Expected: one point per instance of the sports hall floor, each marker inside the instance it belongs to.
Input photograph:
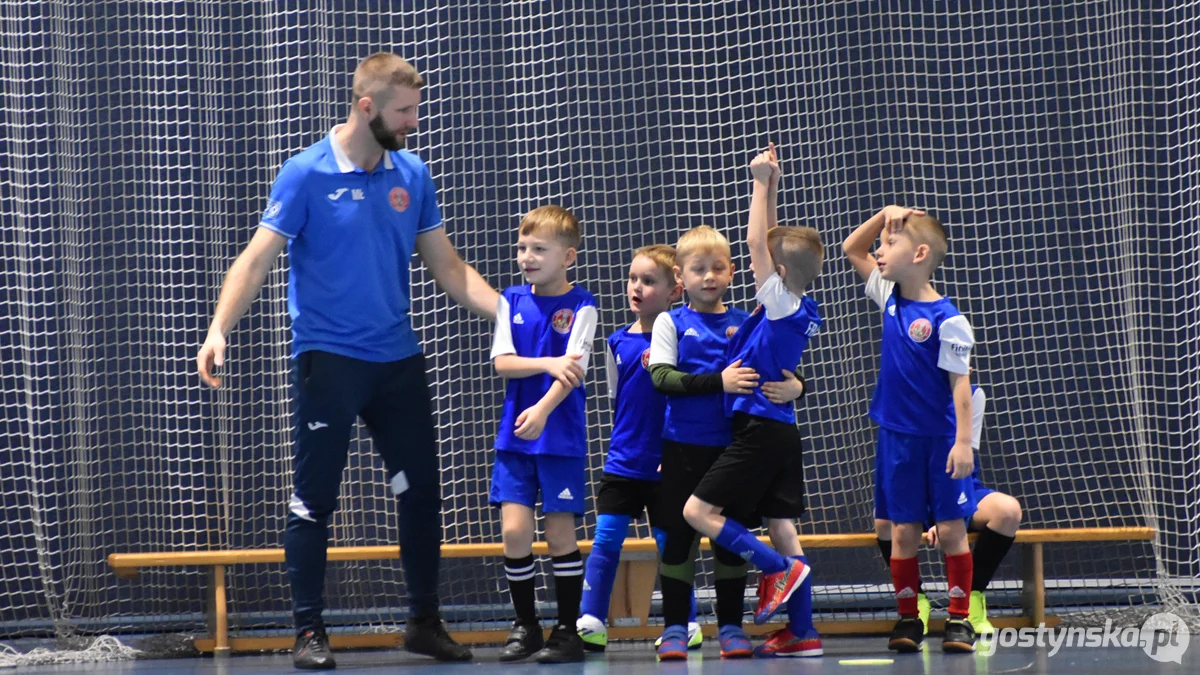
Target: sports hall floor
(857, 655)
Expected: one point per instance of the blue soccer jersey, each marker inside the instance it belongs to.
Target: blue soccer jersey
(771, 341)
(635, 447)
(351, 236)
(536, 326)
(922, 343)
(695, 343)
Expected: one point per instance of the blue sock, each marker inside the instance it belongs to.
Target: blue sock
(733, 537)
(660, 537)
(602, 563)
(799, 606)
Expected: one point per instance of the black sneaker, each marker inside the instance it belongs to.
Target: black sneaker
(907, 635)
(524, 640)
(959, 637)
(427, 635)
(563, 646)
(312, 650)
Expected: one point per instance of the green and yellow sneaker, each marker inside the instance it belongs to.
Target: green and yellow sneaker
(695, 636)
(593, 633)
(923, 610)
(977, 615)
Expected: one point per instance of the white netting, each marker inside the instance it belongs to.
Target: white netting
(1057, 142)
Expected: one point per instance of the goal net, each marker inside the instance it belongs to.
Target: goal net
(140, 139)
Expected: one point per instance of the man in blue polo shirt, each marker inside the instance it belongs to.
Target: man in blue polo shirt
(351, 210)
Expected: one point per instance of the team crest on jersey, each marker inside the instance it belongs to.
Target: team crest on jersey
(562, 320)
(730, 331)
(398, 198)
(646, 359)
(920, 330)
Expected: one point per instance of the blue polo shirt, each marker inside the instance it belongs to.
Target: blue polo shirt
(351, 236)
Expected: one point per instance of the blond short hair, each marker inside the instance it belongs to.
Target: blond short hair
(798, 249)
(378, 73)
(701, 239)
(925, 229)
(555, 222)
(663, 257)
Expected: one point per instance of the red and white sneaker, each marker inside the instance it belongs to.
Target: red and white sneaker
(778, 588)
(783, 643)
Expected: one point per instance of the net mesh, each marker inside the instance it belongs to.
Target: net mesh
(1057, 142)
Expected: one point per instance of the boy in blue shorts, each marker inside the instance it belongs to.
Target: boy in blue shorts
(922, 404)
(785, 262)
(544, 333)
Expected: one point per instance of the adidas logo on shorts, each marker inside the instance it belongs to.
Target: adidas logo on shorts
(566, 494)
(962, 498)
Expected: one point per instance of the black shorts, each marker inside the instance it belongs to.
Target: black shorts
(761, 472)
(683, 467)
(622, 496)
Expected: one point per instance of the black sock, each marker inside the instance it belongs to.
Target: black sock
(520, 573)
(885, 547)
(568, 586)
(990, 549)
(677, 601)
(731, 600)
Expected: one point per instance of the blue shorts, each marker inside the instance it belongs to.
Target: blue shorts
(911, 483)
(517, 477)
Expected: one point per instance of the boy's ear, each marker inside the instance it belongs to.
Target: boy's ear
(678, 274)
(676, 292)
(570, 257)
(921, 253)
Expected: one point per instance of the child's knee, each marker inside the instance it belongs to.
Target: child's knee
(693, 510)
(883, 529)
(560, 533)
(611, 531)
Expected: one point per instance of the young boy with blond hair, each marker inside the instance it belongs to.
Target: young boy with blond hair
(544, 332)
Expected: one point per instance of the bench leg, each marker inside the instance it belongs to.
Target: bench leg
(218, 618)
(1033, 590)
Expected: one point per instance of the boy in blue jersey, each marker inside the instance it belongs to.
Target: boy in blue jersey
(922, 404)
(997, 518)
(630, 483)
(687, 363)
(544, 333)
(785, 261)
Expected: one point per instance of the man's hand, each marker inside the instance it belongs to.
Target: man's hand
(739, 380)
(530, 423)
(961, 461)
(765, 167)
(894, 217)
(786, 391)
(212, 353)
(566, 370)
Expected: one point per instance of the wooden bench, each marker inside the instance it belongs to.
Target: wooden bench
(631, 592)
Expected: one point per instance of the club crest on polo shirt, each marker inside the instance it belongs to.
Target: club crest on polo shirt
(730, 331)
(646, 360)
(562, 320)
(399, 199)
(920, 330)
